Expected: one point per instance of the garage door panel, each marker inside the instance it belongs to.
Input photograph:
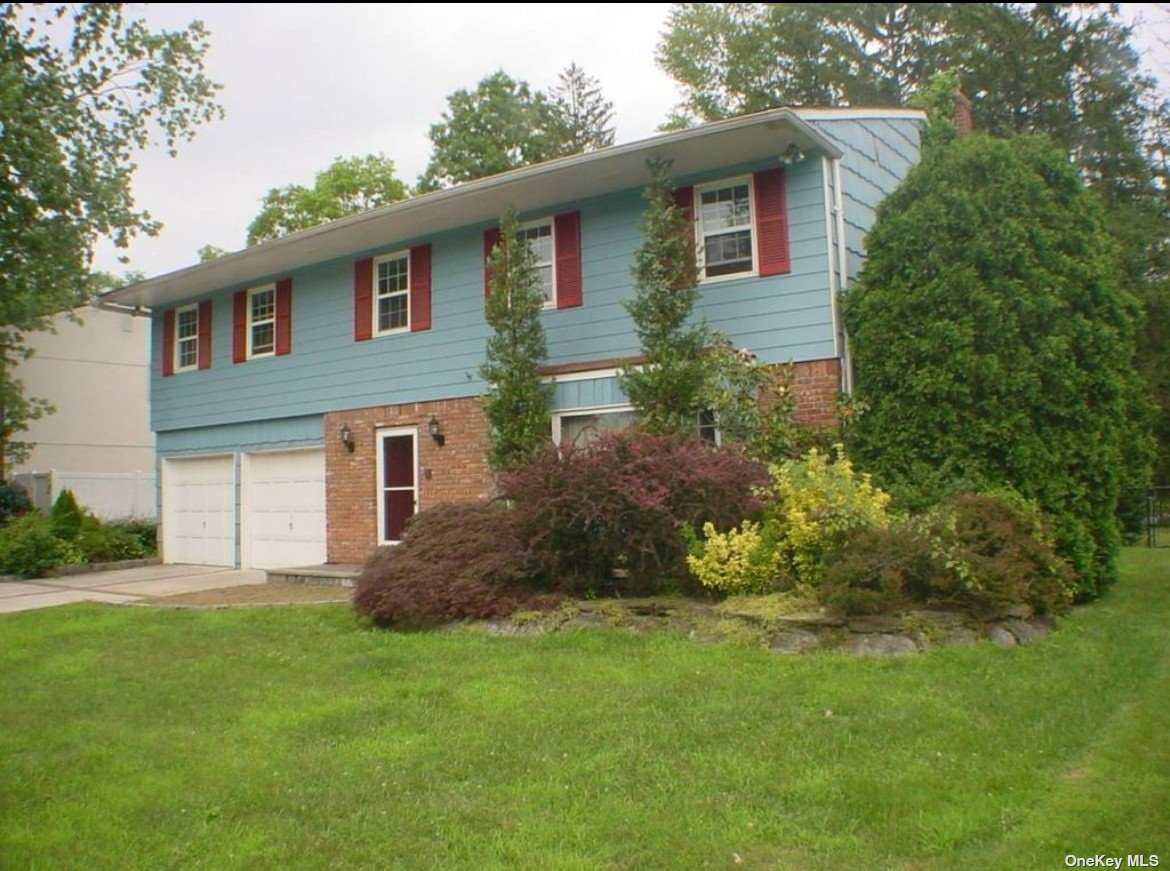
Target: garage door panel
(285, 509)
(199, 511)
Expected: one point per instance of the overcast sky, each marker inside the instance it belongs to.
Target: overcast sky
(306, 83)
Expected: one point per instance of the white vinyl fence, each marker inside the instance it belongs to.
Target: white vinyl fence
(109, 495)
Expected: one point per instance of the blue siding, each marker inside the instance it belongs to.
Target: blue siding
(878, 154)
(781, 318)
(259, 435)
(588, 393)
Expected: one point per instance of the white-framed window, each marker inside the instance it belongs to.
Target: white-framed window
(261, 321)
(580, 426)
(542, 242)
(392, 293)
(186, 338)
(724, 211)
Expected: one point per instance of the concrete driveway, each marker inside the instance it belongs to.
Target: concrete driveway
(121, 586)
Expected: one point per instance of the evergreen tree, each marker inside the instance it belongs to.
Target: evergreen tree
(586, 117)
(517, 403)
(993, 341)
(671, 386)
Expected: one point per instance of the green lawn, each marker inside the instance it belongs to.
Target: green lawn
(299, 738)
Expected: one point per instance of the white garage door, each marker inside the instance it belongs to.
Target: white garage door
(284, 509)
(199, 511)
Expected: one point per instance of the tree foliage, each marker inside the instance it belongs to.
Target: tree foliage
(1069, 71)
(669, 389)
(517, 403)
(348, 186)
(586, 117)
(83, 87)
(504, 123)
(993, 342)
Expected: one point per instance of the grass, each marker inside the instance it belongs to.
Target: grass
(300, 738)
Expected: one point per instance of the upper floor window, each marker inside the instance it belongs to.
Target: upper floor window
(539, 236)
(262, 321)
(392, 292)
(725, 228)
(187, 338)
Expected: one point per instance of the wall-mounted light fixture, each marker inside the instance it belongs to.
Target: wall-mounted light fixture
(346, 436)
(792, 154)
(436, 431)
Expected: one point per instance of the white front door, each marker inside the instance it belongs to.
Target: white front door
(283, 503)
(199, 511)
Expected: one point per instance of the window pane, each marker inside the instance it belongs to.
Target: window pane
(263, 338)
(581, 429)
(263, 305)
(188, 323)
(725, 208)
(398, 461)
(392, 276)
(545, 274)
(392, 312)
(188, 352)
(728, 253)
(398, 508)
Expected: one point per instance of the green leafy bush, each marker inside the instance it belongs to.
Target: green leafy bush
(454, 562)
(107, 542)
(621, 503)
(66, 516)
(29, 548)
(993, 344)
(145, 531)
(981, 553)
(14, 502)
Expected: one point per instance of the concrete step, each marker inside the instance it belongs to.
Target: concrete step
(330, 574)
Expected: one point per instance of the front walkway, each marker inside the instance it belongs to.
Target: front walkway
(121, 586)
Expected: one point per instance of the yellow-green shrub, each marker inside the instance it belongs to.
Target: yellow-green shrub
(739, 561)
(814, 505)
(811, 507)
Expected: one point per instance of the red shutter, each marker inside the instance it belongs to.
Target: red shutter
(205, 334)
(567, 242)
(168, 351)
(283, 316)
(363, 299)
(240, 326)
(684, 201)
(490, 237)
(771, 222)
(420, 287)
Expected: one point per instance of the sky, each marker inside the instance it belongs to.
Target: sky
(307, 83)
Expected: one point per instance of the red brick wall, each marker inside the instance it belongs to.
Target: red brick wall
(458, 471)
(816, 384)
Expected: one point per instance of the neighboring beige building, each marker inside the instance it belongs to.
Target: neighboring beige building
(94, 371)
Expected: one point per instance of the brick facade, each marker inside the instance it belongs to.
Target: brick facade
(816, 384)
(456, 472)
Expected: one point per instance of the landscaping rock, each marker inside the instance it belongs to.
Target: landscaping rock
(1026, 631)
(794, 641)
(586, 618)
(883, 623)
(880, 645)
(1018, 612)
(1001, 636)
(816, 618)
(958, 635)
(941, 619)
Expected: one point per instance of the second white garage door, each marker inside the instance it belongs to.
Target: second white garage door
(284, 509)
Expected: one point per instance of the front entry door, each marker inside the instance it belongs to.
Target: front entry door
(398, 496)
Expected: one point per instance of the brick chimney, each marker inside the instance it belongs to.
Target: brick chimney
(962, 119)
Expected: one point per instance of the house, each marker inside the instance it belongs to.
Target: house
(309, 394)
(92, 367)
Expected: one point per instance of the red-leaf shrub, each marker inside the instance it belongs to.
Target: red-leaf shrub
(620, 502)
(454, 562)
